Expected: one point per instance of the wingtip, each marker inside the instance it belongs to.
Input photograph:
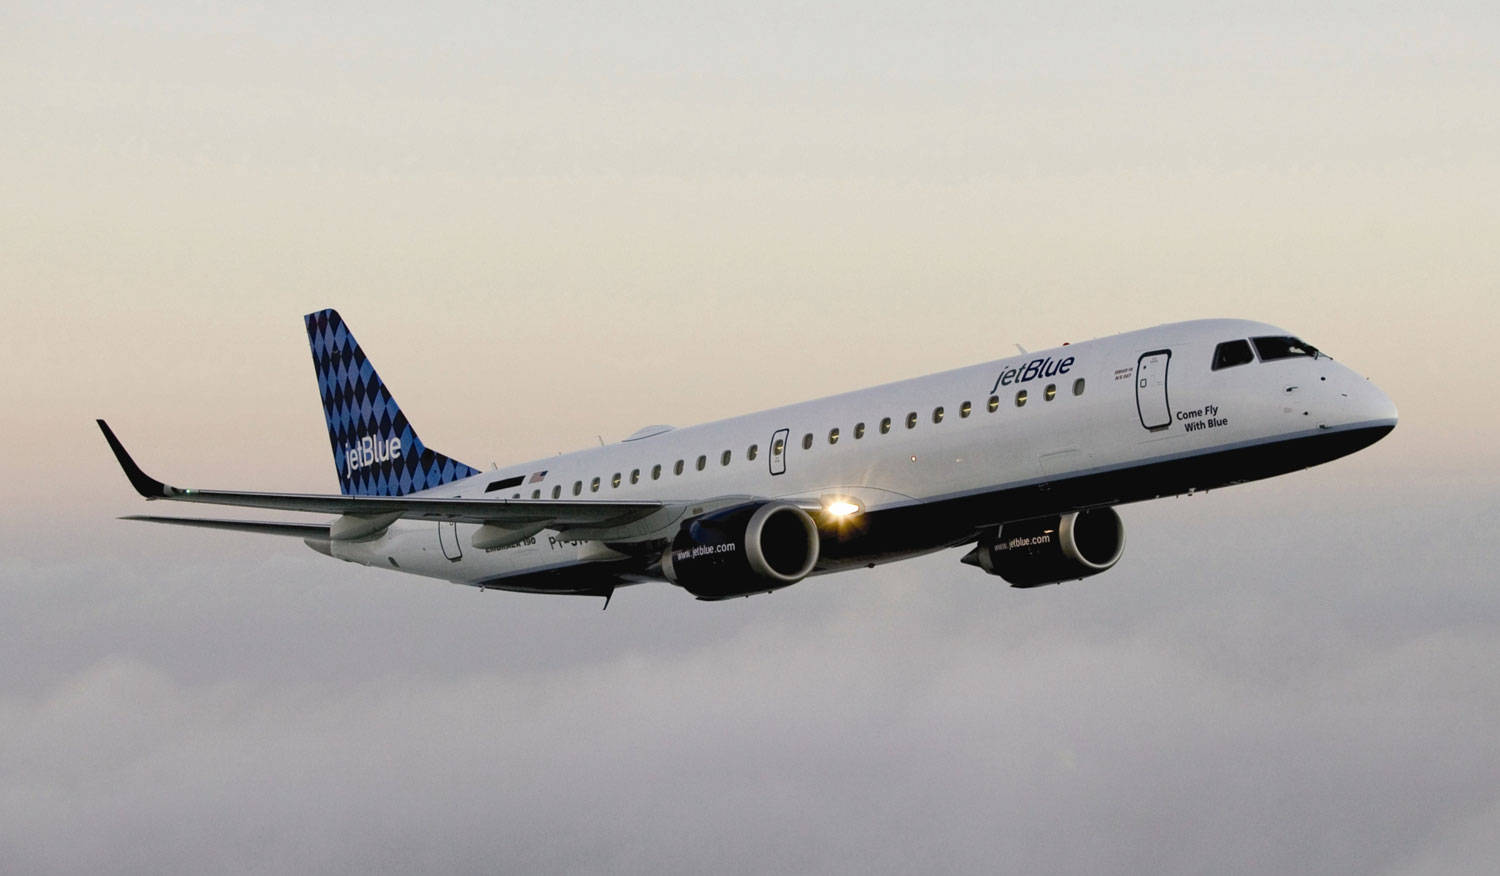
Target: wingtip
(144, 484)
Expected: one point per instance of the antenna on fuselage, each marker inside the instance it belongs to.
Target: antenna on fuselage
(1024, 351)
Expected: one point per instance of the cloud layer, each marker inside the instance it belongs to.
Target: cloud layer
(1210, 704)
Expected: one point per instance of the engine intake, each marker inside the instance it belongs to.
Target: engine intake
(1047, 550)
(754, 548)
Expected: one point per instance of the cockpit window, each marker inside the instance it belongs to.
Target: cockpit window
(1283, 348)
(1232, 353)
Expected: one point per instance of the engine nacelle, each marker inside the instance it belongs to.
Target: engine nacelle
(1047, 550)
(754, 548)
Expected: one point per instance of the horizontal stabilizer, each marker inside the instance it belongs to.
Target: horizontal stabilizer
(296, 530)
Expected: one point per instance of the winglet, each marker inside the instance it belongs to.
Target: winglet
(144, 484)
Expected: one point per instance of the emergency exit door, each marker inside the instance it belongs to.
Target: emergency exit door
(1151, 389)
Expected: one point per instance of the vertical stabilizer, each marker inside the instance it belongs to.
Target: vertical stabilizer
(375, 450)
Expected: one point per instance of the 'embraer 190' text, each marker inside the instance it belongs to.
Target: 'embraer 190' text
(1045, 367)
(370, 451)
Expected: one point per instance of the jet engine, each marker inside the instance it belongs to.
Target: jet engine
(754, 548)
(1047, 550)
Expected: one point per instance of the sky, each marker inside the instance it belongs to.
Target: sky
(552, 224)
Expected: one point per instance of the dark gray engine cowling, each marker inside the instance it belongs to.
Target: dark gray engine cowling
(754, 548)
(1046, 550)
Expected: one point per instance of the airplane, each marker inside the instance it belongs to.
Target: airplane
(1023, 459)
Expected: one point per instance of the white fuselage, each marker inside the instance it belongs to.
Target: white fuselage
(943, 457)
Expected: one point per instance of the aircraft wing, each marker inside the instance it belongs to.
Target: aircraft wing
(554, 514)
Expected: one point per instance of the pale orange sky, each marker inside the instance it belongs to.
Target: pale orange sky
(547, 238)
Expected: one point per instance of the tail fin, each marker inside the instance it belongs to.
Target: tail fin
(375, 450)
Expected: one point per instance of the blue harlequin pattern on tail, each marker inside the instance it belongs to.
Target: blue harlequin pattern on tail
(375, 450)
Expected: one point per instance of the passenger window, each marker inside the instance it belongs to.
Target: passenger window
(577, 487)
(1051, 392)
(594, 486)
(557, 491)
(937, 414)
(911, 420)
(859, 431)
(964, 410)
(724, 458)
(635, 476)
(615, 481)
(885, 425)
(1282, 348)
(677, 467)
(752, 452)
(656, 472)
(1232, 353)
(833, 436)
(994, 403)
(779, 447)
(1078, 386)
(807, 441)
(702, 461)
(1021, 399)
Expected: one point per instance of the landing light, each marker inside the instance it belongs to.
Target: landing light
(841, 507)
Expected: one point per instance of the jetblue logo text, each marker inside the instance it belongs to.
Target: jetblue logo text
(1022, 541)
(703, 550)
(1047, 367)
(370, 451)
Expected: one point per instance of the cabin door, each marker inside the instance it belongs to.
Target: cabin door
(778, 451)
(1151, 389)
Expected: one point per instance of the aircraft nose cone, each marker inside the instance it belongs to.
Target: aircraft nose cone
(1377, 407)
(1367, 411)
(1354, 402)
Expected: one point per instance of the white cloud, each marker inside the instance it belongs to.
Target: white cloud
(915, 717)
